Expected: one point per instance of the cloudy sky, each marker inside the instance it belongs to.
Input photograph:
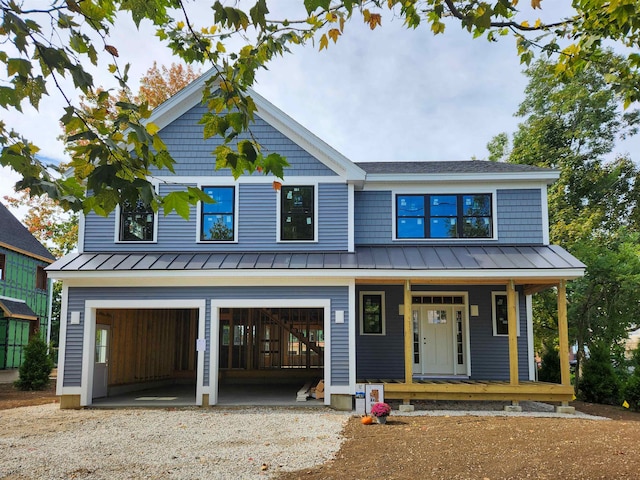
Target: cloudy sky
(382, 95)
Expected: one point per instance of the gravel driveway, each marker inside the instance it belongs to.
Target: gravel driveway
(46, 442)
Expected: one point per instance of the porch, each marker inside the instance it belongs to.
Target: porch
(450, 389)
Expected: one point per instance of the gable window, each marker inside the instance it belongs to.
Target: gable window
(444, 216)
(297, 214)
(500, 314)
(41, 278)
(217, 222)
(137, 222)
(2, 266)
(372, 315)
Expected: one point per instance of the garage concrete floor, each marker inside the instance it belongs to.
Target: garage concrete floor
(228, 396)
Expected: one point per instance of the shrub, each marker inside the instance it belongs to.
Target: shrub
(599, 382)
(37, 366)
(632, 391)
(550, 366)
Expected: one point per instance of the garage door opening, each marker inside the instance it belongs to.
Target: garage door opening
(145, 350)
(279, 347)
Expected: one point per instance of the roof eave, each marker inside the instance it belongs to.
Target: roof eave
(547, 177)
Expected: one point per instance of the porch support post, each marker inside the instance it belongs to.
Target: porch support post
(563, 334)
(408, 334)
(512, 317)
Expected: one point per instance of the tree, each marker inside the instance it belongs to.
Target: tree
(159, 84)
(43, 45)
(37, 366)
(572, 126)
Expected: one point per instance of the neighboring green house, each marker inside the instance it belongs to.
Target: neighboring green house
(24, 289)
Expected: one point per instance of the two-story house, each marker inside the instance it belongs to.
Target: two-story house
(24, 289)
(418, 275)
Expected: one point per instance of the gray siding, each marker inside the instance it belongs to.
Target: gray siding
(257, 224)
(519, 218)
(382, 357)
(184, 139)
(339, 331)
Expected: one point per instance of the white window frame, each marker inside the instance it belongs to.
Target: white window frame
(493, 313)
(383, 315)
(116, 236)
(316, 213)
(236, 211)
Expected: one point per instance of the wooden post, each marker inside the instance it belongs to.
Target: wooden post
(408, 334)
(512, 317)
(563, 334)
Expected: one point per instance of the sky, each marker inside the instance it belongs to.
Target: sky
(383, 95)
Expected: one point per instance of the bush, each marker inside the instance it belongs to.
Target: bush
(632, 391)
(550, 366)
(599, 382)
(37, 366)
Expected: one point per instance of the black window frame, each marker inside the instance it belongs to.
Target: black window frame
(140, 210)
(298, 214)
(463, 218)
(232, 213)
(365, 325)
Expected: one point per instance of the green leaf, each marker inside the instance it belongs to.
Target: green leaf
(313, 5)
(178, 201)
(18, 65)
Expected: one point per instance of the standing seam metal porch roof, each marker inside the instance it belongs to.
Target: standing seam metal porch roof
(405, 257)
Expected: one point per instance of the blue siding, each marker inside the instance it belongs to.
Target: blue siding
(257, 227)
(519, 218)
(373, 218)
(382, 357)
(339, 331)
(193, 155)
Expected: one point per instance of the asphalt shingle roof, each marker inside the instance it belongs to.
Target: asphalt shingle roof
(466, 166)
(16, 235)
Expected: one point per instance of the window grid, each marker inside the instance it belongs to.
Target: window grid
(217, 221)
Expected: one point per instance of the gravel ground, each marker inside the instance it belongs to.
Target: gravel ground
(46, 442)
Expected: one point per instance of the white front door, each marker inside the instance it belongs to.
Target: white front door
(439, 340)
(101, 364)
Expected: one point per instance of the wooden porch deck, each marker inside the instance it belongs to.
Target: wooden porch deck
(463, 389)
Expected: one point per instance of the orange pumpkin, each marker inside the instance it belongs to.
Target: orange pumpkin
(366, 420)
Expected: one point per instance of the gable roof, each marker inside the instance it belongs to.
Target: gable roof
(191, 96)
(16, 237)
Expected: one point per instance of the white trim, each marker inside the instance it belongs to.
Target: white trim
(454, 190)
(352, 339)
(544, 202)
(81, 228)
(254, 179)
(49, 310)
(493, 312)
(383, 313)
(213, 277)
(69, 391)
(546, 177)
(316, 212)
(236, 206)
(532, 360)
(89, 337)
(62, 341)
(217, 304)
(351, 242)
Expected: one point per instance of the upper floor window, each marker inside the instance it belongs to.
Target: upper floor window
(217, 222)
(297, 216)
(2, 266)
(137, 222)
(41, 278)
(444, 216)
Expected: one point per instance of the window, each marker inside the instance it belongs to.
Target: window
(2, 266)
(297, 213)
(444, 216)
(500, 314)
(217, 223)
(137, 222)
(372, 313)
(41, 278)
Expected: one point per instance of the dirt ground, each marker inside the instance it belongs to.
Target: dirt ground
(469, 447)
